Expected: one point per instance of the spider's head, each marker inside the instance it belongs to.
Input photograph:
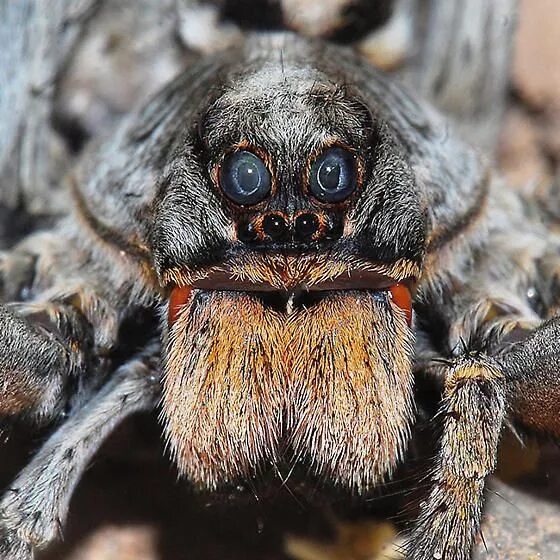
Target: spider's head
(290, 233)
(282, 196)
(289, 182)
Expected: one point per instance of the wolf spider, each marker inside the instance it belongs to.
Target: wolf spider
(308, 238)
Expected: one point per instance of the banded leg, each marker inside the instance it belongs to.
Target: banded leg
(34, 509)
(472, 412)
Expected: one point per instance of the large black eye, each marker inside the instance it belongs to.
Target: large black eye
(333, 175)
(244, 178)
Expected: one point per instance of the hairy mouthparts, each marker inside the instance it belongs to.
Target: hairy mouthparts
(247, 384)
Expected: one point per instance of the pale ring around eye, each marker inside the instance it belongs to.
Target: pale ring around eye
(333, 175)
(244, 178)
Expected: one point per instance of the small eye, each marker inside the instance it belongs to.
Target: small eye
(333, 175)
(244, 178)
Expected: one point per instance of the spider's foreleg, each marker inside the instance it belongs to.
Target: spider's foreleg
(33, 510)
(42, 346)
(532, 369)
(60, 316)
(472, 414)
(44, 341)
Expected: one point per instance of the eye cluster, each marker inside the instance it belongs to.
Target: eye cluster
(332, 177)
(278, 227)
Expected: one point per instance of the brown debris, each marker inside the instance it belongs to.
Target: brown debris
(536, 71)
(129, 542)
(520, 154)
(367, 540)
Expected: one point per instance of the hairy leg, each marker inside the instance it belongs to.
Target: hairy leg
(532, 369)
(41, 348)
(34, 509)
(472, 413)
(523, 381)
(44, 341)
(59, 324)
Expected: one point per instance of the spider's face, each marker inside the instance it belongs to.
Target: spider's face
(289, 181)
(289, 231)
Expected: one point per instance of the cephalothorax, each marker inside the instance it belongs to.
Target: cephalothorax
(280, 207)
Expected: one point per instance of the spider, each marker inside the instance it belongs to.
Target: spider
(273, 249)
